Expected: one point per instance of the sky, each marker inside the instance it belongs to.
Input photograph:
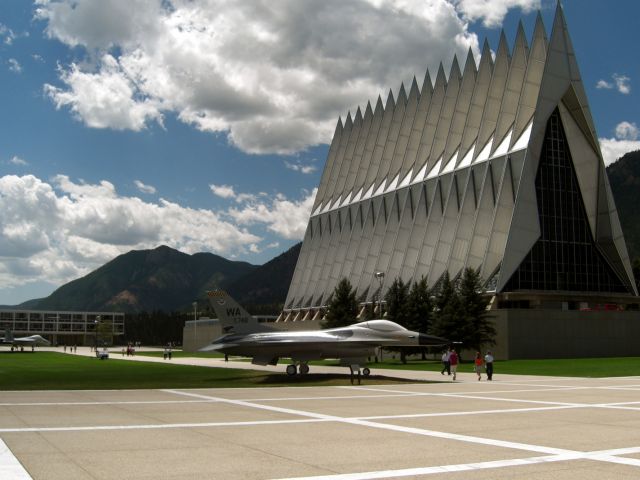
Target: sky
(204, 124)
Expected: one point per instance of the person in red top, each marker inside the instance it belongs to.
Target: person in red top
(478, 365)
(453, 360)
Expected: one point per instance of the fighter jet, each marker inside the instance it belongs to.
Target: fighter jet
(352, 345)
(30, 341)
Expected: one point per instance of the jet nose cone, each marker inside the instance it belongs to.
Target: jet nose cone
(425, 340)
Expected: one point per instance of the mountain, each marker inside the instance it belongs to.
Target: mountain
(168, 280)
(269, 283)
(624, 177)
(158, 279)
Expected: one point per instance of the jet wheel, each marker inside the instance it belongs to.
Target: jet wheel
(304, 369)
(291, 370)
(366, 372)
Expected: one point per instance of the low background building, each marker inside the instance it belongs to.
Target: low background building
(65, 328)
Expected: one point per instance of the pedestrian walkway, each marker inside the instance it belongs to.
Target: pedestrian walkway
(418, 375)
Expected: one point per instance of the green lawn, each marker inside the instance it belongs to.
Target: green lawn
(57, 371)
(174, 354)
(566, 367)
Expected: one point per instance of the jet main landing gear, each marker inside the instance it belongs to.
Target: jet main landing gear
(292, 369)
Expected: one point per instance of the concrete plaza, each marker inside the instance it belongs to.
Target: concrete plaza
(513, 427)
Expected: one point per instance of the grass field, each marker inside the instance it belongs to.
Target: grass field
(176, 354)
(57, 371)
(566, 367)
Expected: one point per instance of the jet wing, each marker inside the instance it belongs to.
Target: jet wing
(31, 340)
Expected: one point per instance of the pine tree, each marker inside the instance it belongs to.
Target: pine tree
(479, 329)
(420, 309)
(397, 299)
(447, 316)
(343, 306)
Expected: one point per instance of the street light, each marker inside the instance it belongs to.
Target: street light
(380, 277)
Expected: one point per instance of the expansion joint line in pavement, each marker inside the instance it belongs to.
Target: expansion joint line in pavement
(552, 454)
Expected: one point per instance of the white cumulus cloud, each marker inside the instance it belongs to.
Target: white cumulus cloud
(492, 12)
(622, 83)
(224, 191)
(299, 167)
(16, 160)
(144, 188)
(627, 131)
(14, 65)
(60, 230)
(625, 141)
(105, 99)
(272, 76)
(284, 217)
(8, 34)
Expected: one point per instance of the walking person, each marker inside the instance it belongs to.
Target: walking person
(453, 362)
(446, 366)
(488, 365)
(478, 365)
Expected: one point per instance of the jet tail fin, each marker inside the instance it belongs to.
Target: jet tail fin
(232, 317)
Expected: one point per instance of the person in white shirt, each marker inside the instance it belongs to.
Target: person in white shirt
(446, 365)
(488, 365)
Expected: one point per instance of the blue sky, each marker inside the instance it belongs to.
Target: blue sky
(203, 125)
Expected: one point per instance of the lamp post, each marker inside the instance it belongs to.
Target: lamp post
(380, 277)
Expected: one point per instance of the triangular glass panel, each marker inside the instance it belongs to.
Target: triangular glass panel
(451, 165)
(346, 200)
(466, 161)
(392, 186)
(369, 192)
(380, 189)
(407, 179)
(420, 176)
(523, 141)
(503, 148)
(484, 154)
(435, 170)
(357, 197)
